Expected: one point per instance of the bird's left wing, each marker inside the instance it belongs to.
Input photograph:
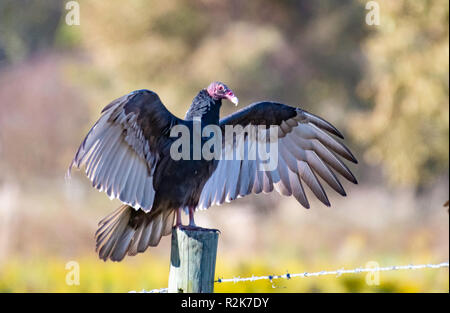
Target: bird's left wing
(121, 150)
(306, 149)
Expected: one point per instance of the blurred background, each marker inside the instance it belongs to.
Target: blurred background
(384, 86)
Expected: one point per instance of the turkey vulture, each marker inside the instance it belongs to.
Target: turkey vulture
(127, 155)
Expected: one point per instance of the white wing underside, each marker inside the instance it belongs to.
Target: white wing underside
(304, 150)
(111, 162)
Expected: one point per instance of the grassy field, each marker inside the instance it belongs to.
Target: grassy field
(38, 275)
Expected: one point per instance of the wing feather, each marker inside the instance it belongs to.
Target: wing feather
(297, 189)
(308, 176)
(111, 184)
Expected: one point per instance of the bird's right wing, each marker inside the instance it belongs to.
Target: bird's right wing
(121, 150)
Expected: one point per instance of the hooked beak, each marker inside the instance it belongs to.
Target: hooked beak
(233, 99)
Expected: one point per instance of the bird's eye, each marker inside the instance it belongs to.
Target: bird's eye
(220, 88)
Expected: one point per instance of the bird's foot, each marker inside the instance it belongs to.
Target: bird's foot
(196, 228)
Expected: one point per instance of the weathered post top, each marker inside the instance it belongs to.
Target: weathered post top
(193, 260)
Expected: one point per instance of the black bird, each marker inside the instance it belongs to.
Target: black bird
(127, 155)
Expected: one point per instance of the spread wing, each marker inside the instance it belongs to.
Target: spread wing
(307, 148)
(120, 152)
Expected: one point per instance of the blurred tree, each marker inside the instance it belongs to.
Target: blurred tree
(39, 120)
(300, 52)
(36, 137)
(27, 26)
(407, 129)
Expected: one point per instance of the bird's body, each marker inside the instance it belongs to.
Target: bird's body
(189, 175)
(128, 155)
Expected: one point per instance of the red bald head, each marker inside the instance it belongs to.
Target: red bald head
(218, 90)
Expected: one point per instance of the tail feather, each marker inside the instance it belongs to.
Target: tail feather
(168, 223)
(107, 249)
(130, 231)
(145, 238)
(105, 234)
(138, 236)
(121, 248)
(107, 224)
(105, 221)
(155, 236)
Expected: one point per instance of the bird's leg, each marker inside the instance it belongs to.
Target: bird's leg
(191, 217)
(178, 222)
(191, 225)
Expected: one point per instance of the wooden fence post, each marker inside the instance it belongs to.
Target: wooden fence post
(193, 260)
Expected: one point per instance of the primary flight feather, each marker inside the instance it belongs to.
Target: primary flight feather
(127, 154)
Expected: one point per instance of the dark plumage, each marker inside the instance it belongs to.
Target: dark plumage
(127, 155)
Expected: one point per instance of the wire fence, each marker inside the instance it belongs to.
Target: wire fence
(336, 273)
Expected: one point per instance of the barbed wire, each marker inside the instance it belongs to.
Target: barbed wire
(337, 273)
(161, 290)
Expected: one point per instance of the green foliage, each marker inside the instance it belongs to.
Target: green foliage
(290, 51)
(26, 26)
(407, 130)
